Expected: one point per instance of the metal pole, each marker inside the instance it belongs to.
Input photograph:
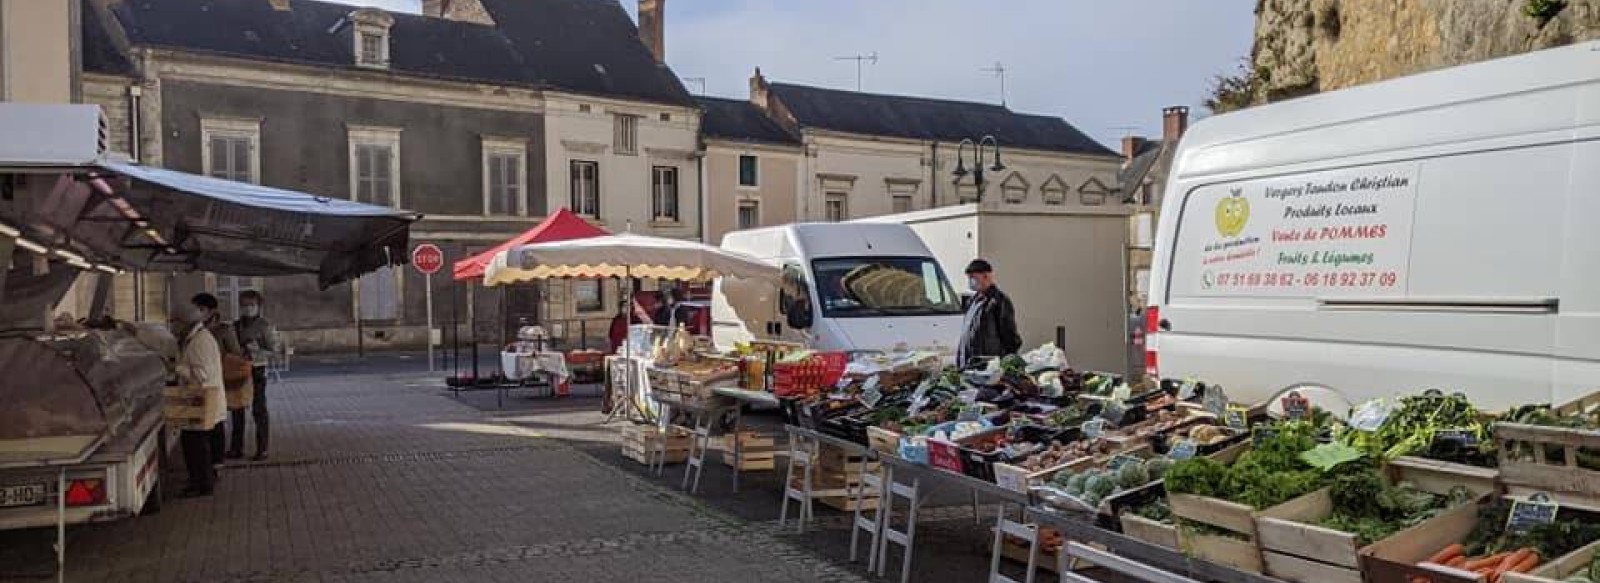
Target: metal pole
(61, 525)
(361, 345)
(429, 296)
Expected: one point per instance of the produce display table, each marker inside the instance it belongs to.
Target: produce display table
(705, 414)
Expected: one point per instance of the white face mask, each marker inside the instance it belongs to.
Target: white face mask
(250, 311)
(972, 283)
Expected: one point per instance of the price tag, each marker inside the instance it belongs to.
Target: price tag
(972, 414)
(871, 396)
(1525, 514)
(1122, 392)
(1118, 461)
(1459, 436)
(1370, 415)
(1187, 390)
(1295, 406)
(844, 382)
(1183, 450)
(872, 383)
(1215, 401)
(1093, 428)
(1238, 417)
(1262, 434)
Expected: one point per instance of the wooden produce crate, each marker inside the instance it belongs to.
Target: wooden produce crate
(758, 451)
(1016, 551)
(1558, 570)
(1150, 531)
(638, 442)
(1242, 552)
(1535, 458)
(1294, 548)
(1395, 559)
(883, 440)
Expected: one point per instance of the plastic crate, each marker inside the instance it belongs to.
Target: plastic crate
(815, 374)
(945, 455)
(914, 452)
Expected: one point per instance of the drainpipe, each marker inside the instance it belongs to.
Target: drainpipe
(700, 210)
(134, 91)
(933, 176)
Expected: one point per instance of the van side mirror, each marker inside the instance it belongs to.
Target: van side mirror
(798, 316)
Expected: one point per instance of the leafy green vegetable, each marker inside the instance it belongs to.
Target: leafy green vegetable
(1410, 427)
(1326, 456)
(1551, 540)
(1269, 474)
(1372, 509)
(1199, 476)
(1156, 509)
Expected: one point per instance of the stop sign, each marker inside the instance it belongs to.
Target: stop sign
(427, 258)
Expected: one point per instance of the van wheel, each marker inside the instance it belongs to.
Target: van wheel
(1320, 396)
(158, 491)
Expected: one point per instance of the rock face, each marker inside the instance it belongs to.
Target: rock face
(1306, 46)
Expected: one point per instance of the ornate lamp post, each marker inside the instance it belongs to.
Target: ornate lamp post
(978, 159)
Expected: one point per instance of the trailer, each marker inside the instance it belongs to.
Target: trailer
(1064, 269)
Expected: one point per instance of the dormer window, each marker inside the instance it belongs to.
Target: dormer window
(371, 37)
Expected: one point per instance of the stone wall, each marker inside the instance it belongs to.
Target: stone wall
(1306, 46)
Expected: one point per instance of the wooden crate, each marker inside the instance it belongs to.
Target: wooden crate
(643, 456)
(1395, 559)
(883, 440)
(750, 442)
(1558, 570)
(1017, 552)
(1241, 553)
(638, 441)
(848, 503)
(1150, 531)
(1565, 481)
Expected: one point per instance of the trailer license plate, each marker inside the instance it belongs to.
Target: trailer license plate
(24, 495)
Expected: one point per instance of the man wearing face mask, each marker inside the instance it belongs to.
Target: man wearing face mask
(990, 326)
(233, 381)
(256, 334)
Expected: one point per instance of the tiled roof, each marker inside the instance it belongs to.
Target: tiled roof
(922, 118)
(738, 119)
(583, 46)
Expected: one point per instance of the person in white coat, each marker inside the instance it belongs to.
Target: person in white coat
(201, 402)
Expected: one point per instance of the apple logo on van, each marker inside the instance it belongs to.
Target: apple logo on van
(1233, 212)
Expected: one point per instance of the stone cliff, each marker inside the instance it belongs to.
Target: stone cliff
(1306, 46)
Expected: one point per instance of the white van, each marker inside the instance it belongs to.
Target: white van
(845, 287)
(1434, 231)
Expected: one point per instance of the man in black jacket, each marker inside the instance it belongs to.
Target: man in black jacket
(990, 326)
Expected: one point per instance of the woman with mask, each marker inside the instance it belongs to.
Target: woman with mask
(198, 369)
(256, 334)
(235, 368)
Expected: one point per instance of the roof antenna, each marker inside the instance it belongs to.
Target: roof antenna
(860, 60)
(999, 70)
(701, 81)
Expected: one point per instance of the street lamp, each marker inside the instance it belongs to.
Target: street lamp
(977, 161)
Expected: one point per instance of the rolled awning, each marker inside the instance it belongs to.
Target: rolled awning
(138, 217)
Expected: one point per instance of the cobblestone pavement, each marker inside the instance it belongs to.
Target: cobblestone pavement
(380, 477)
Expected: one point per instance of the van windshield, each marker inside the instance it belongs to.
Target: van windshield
(883, 286)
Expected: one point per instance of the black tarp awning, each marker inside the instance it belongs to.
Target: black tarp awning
(128, 216)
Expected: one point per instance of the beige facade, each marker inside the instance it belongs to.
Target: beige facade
(771, 200)
(38, 45)
(596, 130)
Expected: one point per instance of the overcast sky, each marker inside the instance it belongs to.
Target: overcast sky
(1106, 67)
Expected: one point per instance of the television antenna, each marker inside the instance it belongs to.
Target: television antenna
(999, 71)
(860, 60)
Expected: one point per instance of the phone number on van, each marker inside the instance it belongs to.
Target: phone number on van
(1324, 279)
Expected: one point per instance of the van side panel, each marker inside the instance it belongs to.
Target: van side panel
(1578, 323)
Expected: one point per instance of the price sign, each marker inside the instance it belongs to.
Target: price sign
(919, 398)
(1183, 450)
(972, 414)
(1238, 417)
(1093, 428)
(1122, 392)
(1118, 461)
(844, 382)
(1295, 405)
(871, 396)
(1525, 514)
(1262, 434)
(1215, 401)
(1371, 415)
(1461, 437)
(1187, 390)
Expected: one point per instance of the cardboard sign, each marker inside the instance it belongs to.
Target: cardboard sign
(1183, 450)
(1215, 401)
(1295, 406)
(1093, 428)
(1238, 417)
(1525, 514)
(1118, 461)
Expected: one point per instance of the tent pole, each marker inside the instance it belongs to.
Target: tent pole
(455, 330)
(472, 334)
(505, 322)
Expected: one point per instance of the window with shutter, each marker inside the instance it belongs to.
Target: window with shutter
(586, 188)
(749, 214)
(504, 174)
(749, 171)
(664, 185)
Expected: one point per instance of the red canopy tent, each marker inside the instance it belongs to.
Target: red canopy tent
(562, 225)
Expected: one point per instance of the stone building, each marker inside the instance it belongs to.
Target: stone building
(484, 115)
(866, 154)
(1141, 183)
(752, 168)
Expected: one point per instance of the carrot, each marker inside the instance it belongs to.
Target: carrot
(1445, 554)
(1481, 562)
(1510, 561)
(1527, 564)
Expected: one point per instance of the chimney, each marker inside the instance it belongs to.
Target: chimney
(758, 90)
(279, 5)
(434, 8)
(652, 14)
(1174, 121)
(458, 10)
(1130, 147)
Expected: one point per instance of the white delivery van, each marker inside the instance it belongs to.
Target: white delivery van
(1435, 231)
(845, 287)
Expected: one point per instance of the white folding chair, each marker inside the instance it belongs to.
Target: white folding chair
(1027, 532)
(871, 489)
(803, 457)
(905, 538)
